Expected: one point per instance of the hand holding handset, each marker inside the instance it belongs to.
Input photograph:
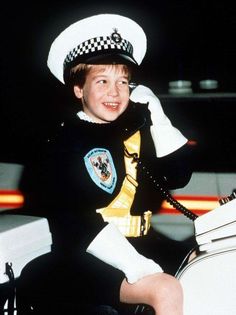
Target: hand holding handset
(165, 136)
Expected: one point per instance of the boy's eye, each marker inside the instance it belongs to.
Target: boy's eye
(102, 81)
(119, 83)
(123, 82)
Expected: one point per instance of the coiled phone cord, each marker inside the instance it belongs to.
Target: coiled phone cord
(165, 193)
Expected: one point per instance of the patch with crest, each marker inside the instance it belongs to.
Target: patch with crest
(101, 169)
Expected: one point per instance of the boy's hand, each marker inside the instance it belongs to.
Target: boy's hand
(165, 136)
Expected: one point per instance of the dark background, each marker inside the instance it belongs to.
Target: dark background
(187, 40)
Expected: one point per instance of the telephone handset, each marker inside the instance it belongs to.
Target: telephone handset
(165, 193)
(132, 85)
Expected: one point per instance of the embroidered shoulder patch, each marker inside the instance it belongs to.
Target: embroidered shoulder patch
(101, 169)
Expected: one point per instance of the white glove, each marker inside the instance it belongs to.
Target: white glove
(111, 246)
(165, 136)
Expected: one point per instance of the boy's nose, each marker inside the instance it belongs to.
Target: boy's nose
(113, 90)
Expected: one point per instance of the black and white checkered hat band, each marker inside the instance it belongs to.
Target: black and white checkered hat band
(99, 44)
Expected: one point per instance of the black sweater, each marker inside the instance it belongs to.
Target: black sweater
(58, 184)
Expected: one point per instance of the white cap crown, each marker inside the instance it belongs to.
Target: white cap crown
(95, 38)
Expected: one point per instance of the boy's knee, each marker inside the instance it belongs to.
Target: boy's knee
(168, 287)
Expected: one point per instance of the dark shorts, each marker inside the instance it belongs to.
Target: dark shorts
(72, 282)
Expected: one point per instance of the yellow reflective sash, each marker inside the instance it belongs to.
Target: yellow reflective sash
(118, 211)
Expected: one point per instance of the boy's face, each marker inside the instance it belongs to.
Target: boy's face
(105, 94)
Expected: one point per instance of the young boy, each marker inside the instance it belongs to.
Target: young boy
(96, 184)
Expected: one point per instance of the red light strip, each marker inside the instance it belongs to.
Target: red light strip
(11, 198)
(197, 204)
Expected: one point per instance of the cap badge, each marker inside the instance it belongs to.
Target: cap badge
(115, 36)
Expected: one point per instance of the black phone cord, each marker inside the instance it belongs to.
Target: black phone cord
(165, 193)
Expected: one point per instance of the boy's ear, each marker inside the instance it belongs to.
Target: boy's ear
(78, 91)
